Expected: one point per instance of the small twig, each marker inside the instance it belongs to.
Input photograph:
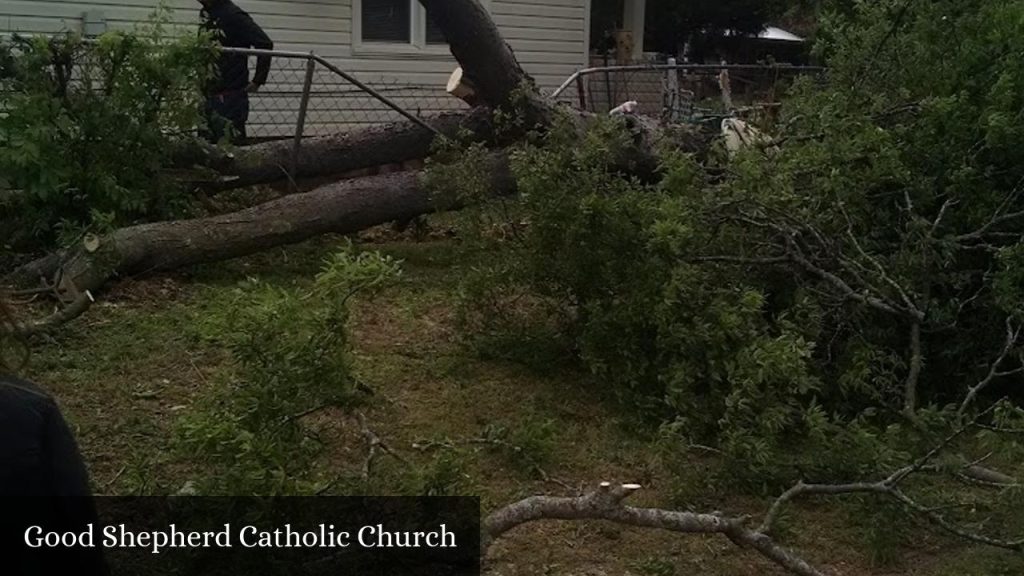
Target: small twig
(942, 214)
(898, 476)
(1000, 430)
(1012, 334)
(202, 377)
(374, 443)
(116, 477)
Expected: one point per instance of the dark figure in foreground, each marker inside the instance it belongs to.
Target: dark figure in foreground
(227, 97)
(43, 480)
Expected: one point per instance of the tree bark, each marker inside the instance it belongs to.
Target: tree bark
(486, 59)
(606, 503)
(343, 207)
(348, 206)
(325, 156)
(475, 41)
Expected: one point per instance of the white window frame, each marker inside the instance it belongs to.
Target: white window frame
(417, 46)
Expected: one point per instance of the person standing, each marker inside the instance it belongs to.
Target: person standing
(227, 97)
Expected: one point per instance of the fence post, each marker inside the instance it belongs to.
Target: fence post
(671, 100)
(300, 124)
(581, 89)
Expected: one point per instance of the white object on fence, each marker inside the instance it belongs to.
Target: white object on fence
(738, 135)
(725, 85)
(625, 108)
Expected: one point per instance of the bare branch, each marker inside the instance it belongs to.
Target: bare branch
(801, 489)
(942, 214)
(374, 443)
(61, 316)
(741, 259)
(1012, 334)
(606, 503)
(879, 269)
(998, 217)
(941, 522)
(916, 361)
(922, 462)
(847, 291)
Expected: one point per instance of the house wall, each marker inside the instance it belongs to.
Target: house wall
(549, 37)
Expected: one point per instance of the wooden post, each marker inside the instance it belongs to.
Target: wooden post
(581, 90)
(633, 21)
(671, 111)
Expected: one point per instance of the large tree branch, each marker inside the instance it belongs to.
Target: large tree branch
(890, 486)
(606, 503)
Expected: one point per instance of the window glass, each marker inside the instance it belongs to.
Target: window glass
(386, 20)
(434, 35)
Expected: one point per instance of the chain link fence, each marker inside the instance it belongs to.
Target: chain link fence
(680, 92)
(303, 94)
(306, 95)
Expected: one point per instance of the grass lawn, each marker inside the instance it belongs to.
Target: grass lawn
(127, 370)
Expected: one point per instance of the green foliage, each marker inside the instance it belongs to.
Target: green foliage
(766, 306)
(444, 475)
(886, 529)
(291, 350)
(89, 128)
(653, 566)
(528, 444)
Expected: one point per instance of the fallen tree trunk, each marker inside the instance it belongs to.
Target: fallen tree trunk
(487, 61)
(343, 207)
(338, 153)
(498, 80)
(348, 206)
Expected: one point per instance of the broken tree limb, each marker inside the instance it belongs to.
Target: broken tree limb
(606, 503)
(343, 207)
(59, 317)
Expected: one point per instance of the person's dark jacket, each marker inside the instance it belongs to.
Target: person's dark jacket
(43, 481)
(233, 27)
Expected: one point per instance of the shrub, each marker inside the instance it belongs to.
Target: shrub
(291, 350)
(89, 129)
(819, 312)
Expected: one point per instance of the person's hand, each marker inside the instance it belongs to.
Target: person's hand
(252, 88)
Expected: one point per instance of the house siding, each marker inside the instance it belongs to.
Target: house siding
(549, 37)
